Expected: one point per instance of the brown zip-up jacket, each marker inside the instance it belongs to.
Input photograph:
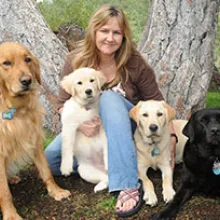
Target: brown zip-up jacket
(140, 85)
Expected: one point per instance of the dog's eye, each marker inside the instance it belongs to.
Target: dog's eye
(145, 115)
(7, 63)
(92, 80)
(159, 114)
(204, 120)
(27, 59)
(79, 83)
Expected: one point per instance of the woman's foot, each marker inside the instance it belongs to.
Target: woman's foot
(129, 202)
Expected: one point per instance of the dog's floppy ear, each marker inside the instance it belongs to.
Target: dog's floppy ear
(67, 84)
(171, 113)
(188, 130)
(36, 68)
(134, 112)
(101, 79)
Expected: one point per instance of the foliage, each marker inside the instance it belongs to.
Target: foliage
(78, 12)
(48, 138)
(213, 100)
(108, 203)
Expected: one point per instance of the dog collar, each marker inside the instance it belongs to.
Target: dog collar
(155, 151)
(216, 167)
(8, 115)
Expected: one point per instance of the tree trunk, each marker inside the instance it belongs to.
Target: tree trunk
(178, 42)
(21, 21)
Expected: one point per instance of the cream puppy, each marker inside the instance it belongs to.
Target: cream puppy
(84, 85)
(152, 139)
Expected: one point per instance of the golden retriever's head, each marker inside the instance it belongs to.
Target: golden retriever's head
(152, 117)
(84, 84)
(19, 69)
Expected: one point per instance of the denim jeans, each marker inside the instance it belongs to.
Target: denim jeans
(122, 162)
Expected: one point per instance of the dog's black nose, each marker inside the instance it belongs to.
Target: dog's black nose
(25, 80)
(88, 91)
(215, 130)
(153, 128)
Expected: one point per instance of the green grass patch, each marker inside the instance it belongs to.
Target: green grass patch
(213, 100)
(48, 138)
(108, 203)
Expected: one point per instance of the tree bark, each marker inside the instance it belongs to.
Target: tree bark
(21, 21)
(178, 42)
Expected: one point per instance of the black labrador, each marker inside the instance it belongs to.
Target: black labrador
(201, 158)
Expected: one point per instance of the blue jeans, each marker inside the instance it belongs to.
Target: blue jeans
(122, 161)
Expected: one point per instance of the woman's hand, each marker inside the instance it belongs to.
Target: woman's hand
(90, 128)
(60, 110)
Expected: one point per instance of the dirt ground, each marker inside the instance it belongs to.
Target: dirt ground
(33, 203)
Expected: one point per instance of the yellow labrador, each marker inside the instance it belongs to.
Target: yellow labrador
(84, 85)
(152, 139)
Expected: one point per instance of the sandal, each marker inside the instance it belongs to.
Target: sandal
(125, 195)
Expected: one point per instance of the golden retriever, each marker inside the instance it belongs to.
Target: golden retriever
(84, 85)
(21, 124)
(152, 139)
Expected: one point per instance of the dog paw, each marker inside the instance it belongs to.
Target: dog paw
(168, 194)
(100, 186)
(10, 215)
(66, 170)
(60, 194)
(150, 198)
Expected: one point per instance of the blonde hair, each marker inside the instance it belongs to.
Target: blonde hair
(86, 51)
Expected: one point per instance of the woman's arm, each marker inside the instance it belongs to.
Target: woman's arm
(67, 69)
(146, 83)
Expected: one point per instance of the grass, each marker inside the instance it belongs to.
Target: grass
(48, 138)
(213, 100)
(107, 204)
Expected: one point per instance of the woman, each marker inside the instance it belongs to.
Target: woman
(108, 47)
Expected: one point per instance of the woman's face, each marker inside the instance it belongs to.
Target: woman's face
(109, 37)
